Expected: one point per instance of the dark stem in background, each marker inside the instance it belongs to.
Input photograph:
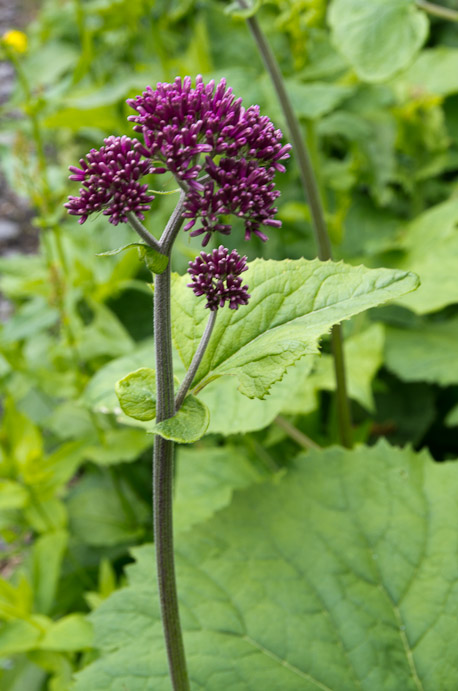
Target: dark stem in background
(310, 186)
(438, 10)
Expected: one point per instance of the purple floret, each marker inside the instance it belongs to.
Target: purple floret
(110, 182)
(217, 276)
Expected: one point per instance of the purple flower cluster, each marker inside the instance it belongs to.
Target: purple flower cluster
(217, 276)
(110, 182)
(223, 155)
(185, 128)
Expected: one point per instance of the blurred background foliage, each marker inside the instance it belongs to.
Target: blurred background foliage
(75, 476)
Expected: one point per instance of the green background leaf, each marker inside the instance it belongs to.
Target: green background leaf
(427, 353)
(340, 575)
(378, 37)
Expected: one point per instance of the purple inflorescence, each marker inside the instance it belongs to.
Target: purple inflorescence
(217, 276)
(184, 128)
(224, 156)
(110, 177)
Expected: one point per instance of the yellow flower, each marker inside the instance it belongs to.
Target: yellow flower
(16, 40)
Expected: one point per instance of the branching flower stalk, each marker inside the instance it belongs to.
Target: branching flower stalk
(312, 194)
(224, 158)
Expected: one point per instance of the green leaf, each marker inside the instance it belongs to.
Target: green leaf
(285, 588)
(452, 418)
(188, 425)
(122, 445)
(137, 394)
(30, 319)
(47, 555)
(433, 71)
(430, 243)
(428, 353)
(13, 495)
(104, 513)
(312, 101)
(100, 394)
(378, 37)
(206, 481)
(363, 359)
(21, 635)
(292, 304)
(234, 413)
(70, 633)
(155, 261)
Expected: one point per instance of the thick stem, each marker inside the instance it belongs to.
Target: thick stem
(196, 360)
(162, 486)
(142, 231)
(438, 10)
(312, 194)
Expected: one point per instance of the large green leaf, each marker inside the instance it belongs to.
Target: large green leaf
(234, 413)
(341, 575)
(428, 353)
(206, 480)
(292, 304)
(378, 37)
(431, 246)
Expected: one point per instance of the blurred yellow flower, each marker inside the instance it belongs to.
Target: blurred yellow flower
(16, 40)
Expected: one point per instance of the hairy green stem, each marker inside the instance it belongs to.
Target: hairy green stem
(140, 229)
(196, 360)
(438, 10)
(173, 226)
(296, 434)
(312, 193)
(162, 486)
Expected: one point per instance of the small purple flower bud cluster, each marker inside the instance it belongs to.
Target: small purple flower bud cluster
(110, 182)
(217, 276)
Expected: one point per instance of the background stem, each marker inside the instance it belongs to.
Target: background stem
(438, 10)
(162, 486)
(312, 194)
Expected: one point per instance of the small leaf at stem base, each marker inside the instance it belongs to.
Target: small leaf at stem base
(154, 260)
(137, 394)
(188, 425)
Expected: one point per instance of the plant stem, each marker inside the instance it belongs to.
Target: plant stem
(196, 360)
(438, 10)
(142, 231)
(162, 486)
(312, 194)
(173, 226)
(298, 436)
